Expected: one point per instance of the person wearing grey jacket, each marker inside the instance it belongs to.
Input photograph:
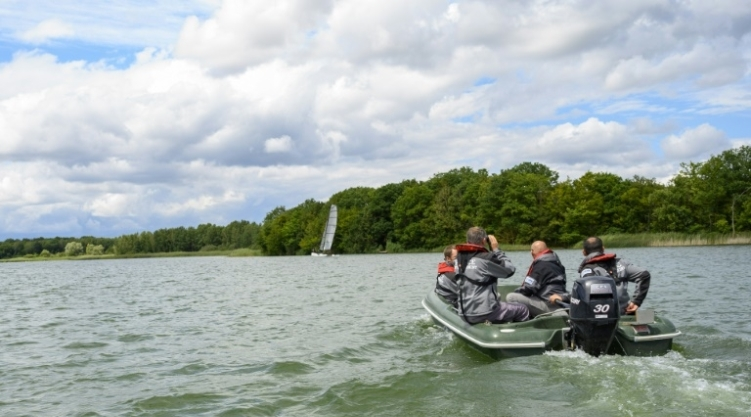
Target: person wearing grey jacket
(597, 262)
(445, 281)
(478, 271)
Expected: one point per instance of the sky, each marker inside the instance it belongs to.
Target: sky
(126, 116)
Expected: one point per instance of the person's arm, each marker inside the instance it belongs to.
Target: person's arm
(641, 278)
(500, 265)
(532, 282)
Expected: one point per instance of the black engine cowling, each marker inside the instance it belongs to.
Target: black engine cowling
(594, 313)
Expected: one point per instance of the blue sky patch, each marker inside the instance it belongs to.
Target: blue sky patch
(119, 57)
(469, 118)
(484, 81)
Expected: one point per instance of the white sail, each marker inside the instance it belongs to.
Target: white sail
(328, 232)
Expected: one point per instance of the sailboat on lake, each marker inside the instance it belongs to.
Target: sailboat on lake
(327, 240)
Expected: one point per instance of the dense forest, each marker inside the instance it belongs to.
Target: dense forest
(520, 204)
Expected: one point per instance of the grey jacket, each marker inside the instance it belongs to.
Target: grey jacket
(447, 287)
(478, 276)
(445, 282)
(622, 272)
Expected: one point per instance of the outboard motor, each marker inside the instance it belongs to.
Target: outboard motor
(594, 313)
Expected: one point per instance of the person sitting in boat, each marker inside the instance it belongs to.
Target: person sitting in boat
(445, 281)
(478, 271)
(544, 284)
(597, 262)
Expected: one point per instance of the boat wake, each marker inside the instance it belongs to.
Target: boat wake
(669, 384)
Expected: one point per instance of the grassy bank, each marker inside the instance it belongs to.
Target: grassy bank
(646, 240)
(673, 239)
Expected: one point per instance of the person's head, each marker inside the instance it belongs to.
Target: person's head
(449, 253)
(592, 245)
(476, 235)
(538, 247)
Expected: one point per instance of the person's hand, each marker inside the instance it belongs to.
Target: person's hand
(631, 308)
(493, 242)
(553, 298)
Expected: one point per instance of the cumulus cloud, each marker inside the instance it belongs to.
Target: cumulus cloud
(276, 145)
(200, 203)
(593, 141)
(231, 107)
(708, 64)
(47, 30)
(112, 205)
(693, 143)
(242, 33)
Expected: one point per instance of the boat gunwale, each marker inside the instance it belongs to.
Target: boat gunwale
(663, 336)
(497, 345)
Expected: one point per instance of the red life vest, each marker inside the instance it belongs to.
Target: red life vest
(470, 247)
(443, 267)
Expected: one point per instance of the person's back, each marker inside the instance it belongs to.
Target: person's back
(477, 275)
(445, 281)
(544, 284)
(596, 262)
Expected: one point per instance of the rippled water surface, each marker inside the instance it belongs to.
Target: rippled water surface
(344, 336)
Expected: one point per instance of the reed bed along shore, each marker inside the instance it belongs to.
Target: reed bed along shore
(674, 239)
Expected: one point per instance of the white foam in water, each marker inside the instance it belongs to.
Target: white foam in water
(438, 333)
(579, 355)
(672, 375)
(425, 317)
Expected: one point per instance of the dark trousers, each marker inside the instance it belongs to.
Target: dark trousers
(507, 312)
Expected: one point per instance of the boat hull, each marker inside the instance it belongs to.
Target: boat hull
(500, 341)
(651, 339)
(547, 332)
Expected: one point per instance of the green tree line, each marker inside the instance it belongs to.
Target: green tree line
(519, 205)
(238, 234)
(13, 248)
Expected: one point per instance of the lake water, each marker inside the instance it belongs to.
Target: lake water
(344, 336)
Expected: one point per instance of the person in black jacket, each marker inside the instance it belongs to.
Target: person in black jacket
(544, 284)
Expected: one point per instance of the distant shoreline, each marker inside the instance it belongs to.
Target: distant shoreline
(643, 240)
(228, 253)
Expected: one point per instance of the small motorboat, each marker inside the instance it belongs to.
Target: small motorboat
(591, 323)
